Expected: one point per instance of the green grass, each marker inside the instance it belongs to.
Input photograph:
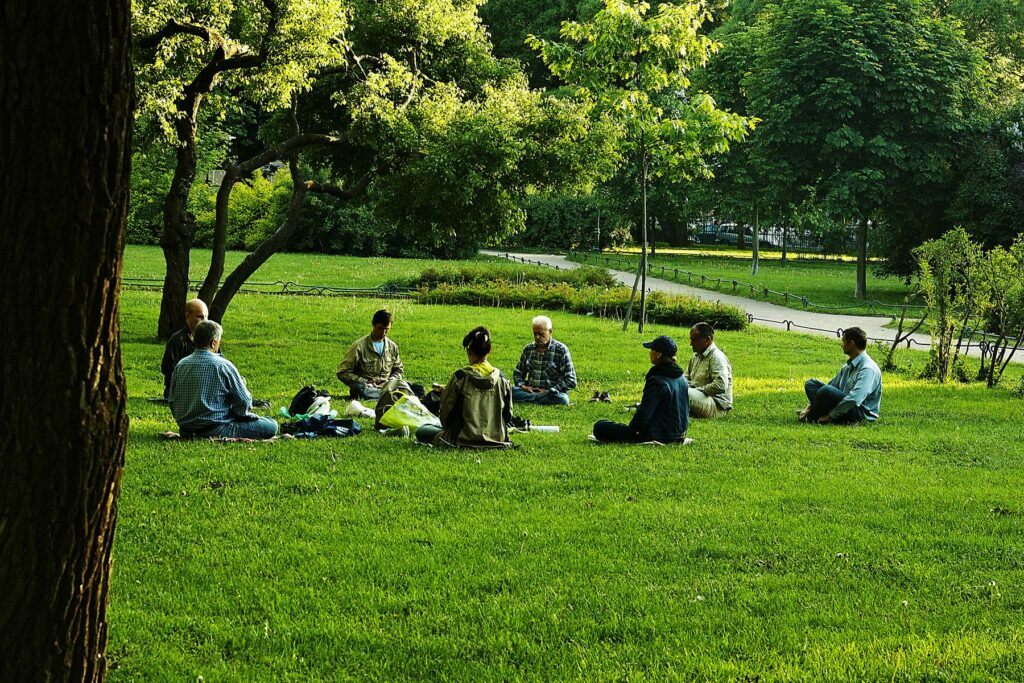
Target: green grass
(768, 551)
(823, 282)
(315, 269)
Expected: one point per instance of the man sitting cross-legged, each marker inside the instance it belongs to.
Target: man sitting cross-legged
(663, 413)
(709, 375)
(854, 394)
(180, 344)
(209, 398)
(372, 361)
(545, 372)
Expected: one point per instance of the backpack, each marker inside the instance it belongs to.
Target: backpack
(304, 399)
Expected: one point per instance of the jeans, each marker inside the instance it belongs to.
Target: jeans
(364, 391)
(426, 433)
(260, 428)
(549, 397)
(823, 398)
(606, 430)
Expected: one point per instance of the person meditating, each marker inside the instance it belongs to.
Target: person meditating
(708, 374)
(663, 413)
(476, 404)
(854, 394)
(209, 398)
(545, 373)
(181, 344)
(372, 361)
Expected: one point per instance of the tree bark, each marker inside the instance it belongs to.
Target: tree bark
(179, 224)
(643, 248)
(232, 174)
(757, 243)
(862, 259)
(65, 154)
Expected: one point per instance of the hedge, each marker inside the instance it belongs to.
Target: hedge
(509, 273)
(606, 302)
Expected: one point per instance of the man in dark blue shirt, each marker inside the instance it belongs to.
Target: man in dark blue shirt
(663, 413)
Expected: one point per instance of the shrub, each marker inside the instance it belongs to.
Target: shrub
(610, 302)
(507, 273)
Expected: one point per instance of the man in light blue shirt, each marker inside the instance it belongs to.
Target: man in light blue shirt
(854, 394)
(207, 395)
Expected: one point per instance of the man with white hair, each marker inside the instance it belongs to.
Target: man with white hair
(180, 344)
(209, 398)
(545, 372)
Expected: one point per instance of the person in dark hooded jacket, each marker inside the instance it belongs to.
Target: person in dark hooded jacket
(476, 405)
(664, 411)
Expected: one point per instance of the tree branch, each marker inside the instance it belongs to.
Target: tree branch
(175, 27)
(335, 191)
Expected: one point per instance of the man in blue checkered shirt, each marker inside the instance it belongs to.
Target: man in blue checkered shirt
(207, 395)
(545, 372)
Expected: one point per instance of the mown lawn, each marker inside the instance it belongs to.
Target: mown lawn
(825, 283)
(767, 551)
(308, 269)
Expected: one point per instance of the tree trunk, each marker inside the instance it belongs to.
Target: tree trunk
(862, 259)
(220, 234)
(643, 248)
(179, 224)
(65, 155)
(785, 243)
(251, 263)
(757, 243)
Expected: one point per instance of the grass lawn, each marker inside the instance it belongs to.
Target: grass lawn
(314, 269)
(767, 551)
(824, 283)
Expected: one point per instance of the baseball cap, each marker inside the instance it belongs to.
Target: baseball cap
(663, 345)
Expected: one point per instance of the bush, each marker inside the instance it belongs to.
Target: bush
(609, 302)
(507, 273)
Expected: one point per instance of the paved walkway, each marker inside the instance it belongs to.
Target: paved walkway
(763, 312)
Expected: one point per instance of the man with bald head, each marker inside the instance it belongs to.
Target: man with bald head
(181, 344)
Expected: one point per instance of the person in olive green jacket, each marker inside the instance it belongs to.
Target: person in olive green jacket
(372, 361)
(476, 406)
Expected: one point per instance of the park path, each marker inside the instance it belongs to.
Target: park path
(763, 312)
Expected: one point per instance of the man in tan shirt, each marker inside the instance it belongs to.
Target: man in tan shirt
(709, 375)
(372, 361)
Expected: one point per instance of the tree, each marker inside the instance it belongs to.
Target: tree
(264, 51)
(64, 163)
(635, 67)
(862, 100)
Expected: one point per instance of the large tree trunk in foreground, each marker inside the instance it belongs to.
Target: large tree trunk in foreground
(66, 89)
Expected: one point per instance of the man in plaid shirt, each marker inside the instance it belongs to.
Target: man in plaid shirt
(207, 395)
(545, 372)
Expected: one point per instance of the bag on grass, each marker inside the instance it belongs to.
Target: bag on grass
(408, 411)
(304, 398)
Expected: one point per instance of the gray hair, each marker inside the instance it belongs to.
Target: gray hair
(206, 333)
(542, 320)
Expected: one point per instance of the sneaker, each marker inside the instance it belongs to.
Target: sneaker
(595, 397)
(357, 409)
(260, 403)
(604, 397)
(403, 432)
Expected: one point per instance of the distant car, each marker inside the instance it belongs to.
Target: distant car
(729, 234)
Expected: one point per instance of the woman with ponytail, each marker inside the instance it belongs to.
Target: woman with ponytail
(476, 406)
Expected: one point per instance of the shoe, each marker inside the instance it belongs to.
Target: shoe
(357, 409)
(260, 403)
(604, 397)
(403, 432)
(595, 397)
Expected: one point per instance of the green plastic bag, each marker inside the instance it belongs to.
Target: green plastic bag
(409, 412)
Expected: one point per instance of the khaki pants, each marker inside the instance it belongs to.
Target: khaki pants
(703, 406)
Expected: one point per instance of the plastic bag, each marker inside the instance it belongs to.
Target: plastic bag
(408, 411)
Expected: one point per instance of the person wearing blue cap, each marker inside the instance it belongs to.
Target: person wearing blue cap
(664, 410)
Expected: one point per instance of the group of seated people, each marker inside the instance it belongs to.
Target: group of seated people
(209, 398)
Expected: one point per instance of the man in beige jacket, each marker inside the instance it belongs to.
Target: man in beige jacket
(372, 361)
(709, 375)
